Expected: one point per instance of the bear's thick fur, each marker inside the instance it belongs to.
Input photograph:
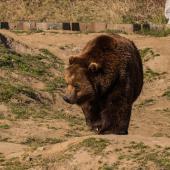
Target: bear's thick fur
(113, 68)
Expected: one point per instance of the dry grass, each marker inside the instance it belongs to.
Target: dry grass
(124, 11)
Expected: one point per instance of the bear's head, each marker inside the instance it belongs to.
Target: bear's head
(79, 86)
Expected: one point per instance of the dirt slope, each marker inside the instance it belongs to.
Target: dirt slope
(39, 131)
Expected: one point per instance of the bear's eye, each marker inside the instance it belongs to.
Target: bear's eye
(77, 86)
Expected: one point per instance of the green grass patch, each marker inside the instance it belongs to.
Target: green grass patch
(23, 100)
(37, 142)
(2, 116)
(158, 134)
(56, 84)
(73, 120)
(167, 93)
(29, 92)
(20, 111)
(138, 146)
(95, 145)
(114, 166)
(143, 155)
(2, 158)
(9, 90)
(150, 75)
(166, 110)
(147, 102)
(32, 65)
(155, 33)
(26, 64)
(147, 54)
(72, 133)
(162, 160)
(5, 126)
(64, 157)
(114, 32)
(53, 61)
(67, 46)
(15, 164)
(24, 111)
(27, 32)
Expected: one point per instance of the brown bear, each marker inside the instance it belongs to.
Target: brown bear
(105, 80)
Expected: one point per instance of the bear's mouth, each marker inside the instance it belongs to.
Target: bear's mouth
(66, 99)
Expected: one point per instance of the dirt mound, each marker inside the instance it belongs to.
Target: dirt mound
(11, 42)
(38, 130)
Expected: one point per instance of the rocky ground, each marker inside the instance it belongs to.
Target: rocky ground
(38, 130)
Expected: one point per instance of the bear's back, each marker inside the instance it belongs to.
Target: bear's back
(120, 55)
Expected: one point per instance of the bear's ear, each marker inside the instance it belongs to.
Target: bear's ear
(72, 59)
(94, 67)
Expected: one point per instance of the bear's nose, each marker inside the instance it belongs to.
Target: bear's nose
(66, 99)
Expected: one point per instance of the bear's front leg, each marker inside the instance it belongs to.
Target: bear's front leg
(106, 119)
(122, 120)
(92, 116)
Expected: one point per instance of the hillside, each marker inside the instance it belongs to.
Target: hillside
(126, 11)
(38, 130)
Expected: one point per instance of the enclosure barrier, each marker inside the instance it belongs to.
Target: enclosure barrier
(81, 27)
(4, 25)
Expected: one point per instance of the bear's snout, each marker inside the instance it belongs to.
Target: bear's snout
(69, 99)
(66, 99)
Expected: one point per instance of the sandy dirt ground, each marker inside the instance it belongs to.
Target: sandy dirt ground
(66, 143)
